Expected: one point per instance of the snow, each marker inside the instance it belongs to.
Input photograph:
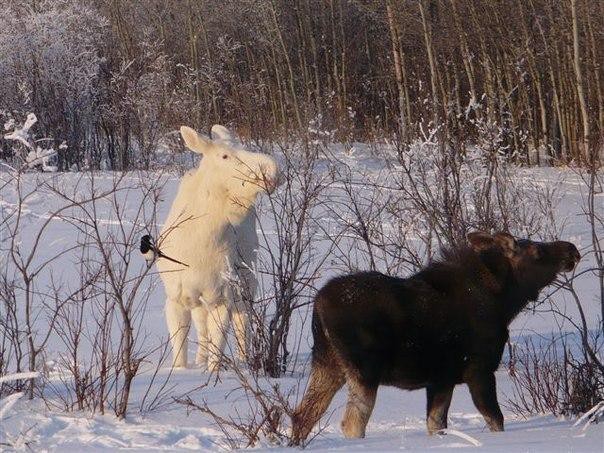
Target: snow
(21, 134)
(36, 156)
(41, 157)
(398, 422)
(15, 376)
(7, 403)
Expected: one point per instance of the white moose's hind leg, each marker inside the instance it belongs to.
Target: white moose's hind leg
(200, 320)
(218, 325)
(242, 310)
(241, 326)
(178, 319)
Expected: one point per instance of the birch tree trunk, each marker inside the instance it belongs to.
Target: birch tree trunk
(579, 82)
(398, 71)
(427, 29)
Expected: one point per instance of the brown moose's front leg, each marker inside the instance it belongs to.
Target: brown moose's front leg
(439, 400)
(361, 400)
(484, 395)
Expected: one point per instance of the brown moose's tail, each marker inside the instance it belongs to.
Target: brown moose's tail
(326, 378)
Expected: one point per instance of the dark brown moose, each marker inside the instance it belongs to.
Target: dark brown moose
(445, 325)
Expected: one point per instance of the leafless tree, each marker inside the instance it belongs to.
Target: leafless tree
(121, 75)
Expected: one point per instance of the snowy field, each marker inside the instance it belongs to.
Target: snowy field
(398, 422)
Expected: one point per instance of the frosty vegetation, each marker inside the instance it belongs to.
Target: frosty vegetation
(115, 79)
(33, 156)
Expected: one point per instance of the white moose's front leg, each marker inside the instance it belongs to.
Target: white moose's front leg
(200, 320)
(218, 326)
(178, 319)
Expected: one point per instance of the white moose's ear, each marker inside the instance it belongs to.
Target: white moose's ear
(194, 141)
(222, 134)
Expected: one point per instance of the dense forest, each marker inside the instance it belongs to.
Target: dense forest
(113, 78)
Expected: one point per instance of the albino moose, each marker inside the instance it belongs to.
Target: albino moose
(211, 228)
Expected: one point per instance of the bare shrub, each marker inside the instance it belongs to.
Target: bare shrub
(554, 376)
(456, 188)
(290, 260)
(260, 408)
(12, 355)
(112, 331)
(428, 196)
(30, 305)
(98, 316)
(566, 377)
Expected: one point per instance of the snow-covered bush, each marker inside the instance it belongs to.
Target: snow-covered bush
(51, 65)
(26, 148)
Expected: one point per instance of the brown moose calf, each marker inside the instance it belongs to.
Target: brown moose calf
(445, 325)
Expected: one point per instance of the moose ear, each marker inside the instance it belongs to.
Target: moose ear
(222, 134)
(194, 141)
(479, 240)
(533, 250)
(507, 242)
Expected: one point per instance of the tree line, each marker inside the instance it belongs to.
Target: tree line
(113, 78)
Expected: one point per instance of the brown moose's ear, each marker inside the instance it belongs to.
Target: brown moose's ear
(507, 242)
(479, 240)
(532, 250)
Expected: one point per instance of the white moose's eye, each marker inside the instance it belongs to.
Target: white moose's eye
(225, 156)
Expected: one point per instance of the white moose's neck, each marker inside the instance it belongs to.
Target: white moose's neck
(224, 207)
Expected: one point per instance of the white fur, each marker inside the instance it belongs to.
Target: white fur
(212, 228)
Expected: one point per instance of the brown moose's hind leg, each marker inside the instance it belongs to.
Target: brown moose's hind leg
(439, 400)
(325, 380)
(361, 399)
(484, 395)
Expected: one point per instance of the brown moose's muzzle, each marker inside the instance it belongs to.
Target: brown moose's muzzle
(572, 258)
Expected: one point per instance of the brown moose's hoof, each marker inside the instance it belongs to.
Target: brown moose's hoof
(352, 429)
(495, 426)
(436, 425)
(436, 429)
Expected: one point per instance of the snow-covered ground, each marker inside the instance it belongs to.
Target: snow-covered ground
(398, 422)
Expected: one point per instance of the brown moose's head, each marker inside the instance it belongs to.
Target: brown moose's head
(534, 265)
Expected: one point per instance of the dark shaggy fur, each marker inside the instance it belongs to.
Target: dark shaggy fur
(446, 325)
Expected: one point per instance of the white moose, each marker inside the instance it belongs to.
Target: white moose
(211, 228)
